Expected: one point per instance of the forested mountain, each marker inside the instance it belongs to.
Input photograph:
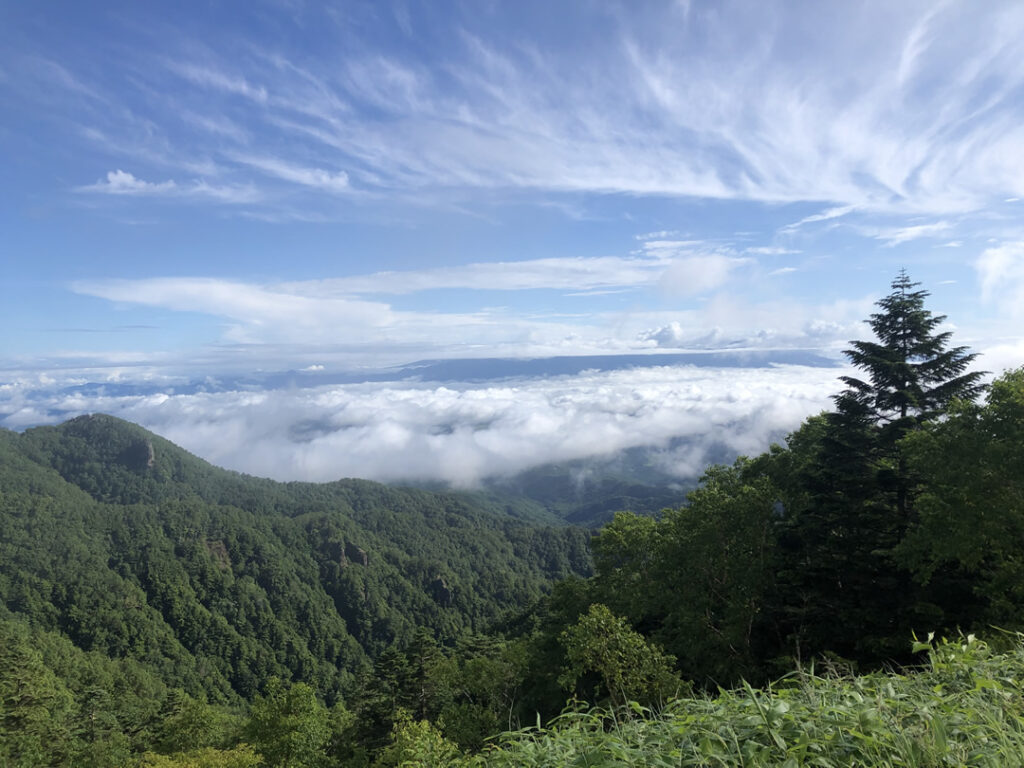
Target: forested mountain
(585, 492)
(590, 492)
(130, 546)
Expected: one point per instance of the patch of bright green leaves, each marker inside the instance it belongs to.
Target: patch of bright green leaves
(965, 708)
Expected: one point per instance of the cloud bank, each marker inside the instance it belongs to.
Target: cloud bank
(461, 433)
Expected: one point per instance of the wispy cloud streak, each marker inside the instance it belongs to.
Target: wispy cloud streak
(910, 107)
(126, 184)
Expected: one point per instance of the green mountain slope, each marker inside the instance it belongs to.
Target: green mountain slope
(129, 545)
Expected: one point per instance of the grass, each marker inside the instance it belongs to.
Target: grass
(965, 707)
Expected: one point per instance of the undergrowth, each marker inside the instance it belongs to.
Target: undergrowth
(965, 707)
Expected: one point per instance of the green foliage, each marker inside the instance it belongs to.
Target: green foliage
(60, 705)
(970, 530)
(778, 556)
(697, 580)
(913, 374)
(482, 681)
(36, 708)
(967, 708)
(417, 744)
(163, 591)
(147, 599)
(186, 724)
(852, 496)
(716, 569)
(241, 756)
(289, 727)
(627, 553)
(628, 667)
(216, 582)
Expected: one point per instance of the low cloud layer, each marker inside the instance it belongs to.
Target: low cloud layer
(462, 433)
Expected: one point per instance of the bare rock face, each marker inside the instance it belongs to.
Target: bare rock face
(356, 554)
(335, 551)
(139, 456)
(441, 592)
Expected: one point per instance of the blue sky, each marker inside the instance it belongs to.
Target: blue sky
(216, 189)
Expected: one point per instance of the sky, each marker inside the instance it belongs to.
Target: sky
(229, 222)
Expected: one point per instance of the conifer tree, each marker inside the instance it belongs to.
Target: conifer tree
(855, 502)
(913, 373)
(912, 377)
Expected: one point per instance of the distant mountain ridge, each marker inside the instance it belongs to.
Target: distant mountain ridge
(472, 370)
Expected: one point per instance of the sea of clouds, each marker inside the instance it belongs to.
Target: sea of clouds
(458, 432)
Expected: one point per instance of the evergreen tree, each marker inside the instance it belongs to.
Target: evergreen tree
(913, 376)
(854, 501)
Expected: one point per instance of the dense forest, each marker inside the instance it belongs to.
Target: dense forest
(157, 611)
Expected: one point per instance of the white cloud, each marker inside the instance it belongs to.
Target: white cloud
(1001, 272)
(219, 79)
(827, 215)
(675, 335)
(696, 275)
(559, 273)
(317, 178)
(279, 313)
(460, 433)
(770, 250)
(997, 358)
(729, 321)
(897, 235)
(910, 107)
(297, 324)
(123, 183)
(661, 234)
(272, 317)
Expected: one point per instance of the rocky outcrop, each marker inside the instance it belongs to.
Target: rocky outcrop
(441, 592)
(139, 455)
(356, 554)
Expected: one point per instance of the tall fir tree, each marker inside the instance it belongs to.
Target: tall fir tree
(842, 588)
(912, 377)
(914, 374)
